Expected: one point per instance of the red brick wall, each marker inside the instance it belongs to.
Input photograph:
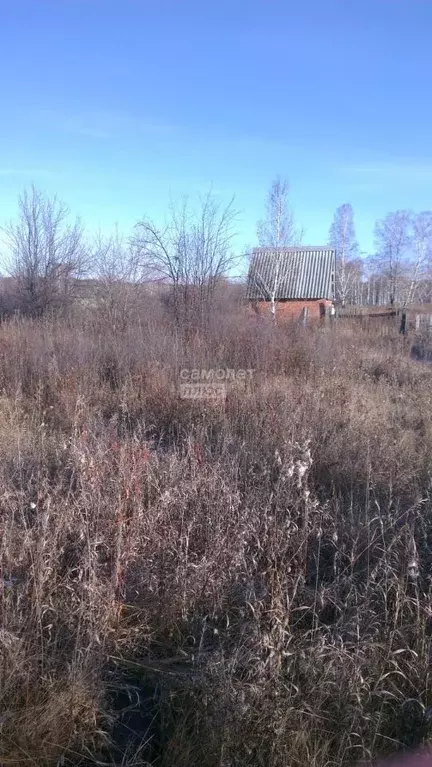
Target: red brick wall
(290, 310)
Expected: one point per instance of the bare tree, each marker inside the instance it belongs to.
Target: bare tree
(120, 275)
(191, 252)
(355, 283)
(212, 233)
(46, 252)
(375, 283)
(422, 251)
(392, 235)
(277, 230)
(267, 282)
(342, 238)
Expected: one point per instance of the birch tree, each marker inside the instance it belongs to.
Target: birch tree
(268, 288)
(342, 238)
(393, 241)
(277, 230)
(422, 251)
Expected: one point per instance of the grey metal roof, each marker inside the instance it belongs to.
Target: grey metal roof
(295, 273)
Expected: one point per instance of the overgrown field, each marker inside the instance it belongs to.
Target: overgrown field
(217, 584)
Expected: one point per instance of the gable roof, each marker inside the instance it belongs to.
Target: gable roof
(299, 273)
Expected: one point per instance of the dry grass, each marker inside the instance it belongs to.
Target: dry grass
(185, 583)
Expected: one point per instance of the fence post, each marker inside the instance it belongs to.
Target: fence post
(417, 322)
(403, 325)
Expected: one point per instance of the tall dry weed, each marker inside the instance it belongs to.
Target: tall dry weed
(197, 583)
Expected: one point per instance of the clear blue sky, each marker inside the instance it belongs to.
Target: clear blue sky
(116, 104)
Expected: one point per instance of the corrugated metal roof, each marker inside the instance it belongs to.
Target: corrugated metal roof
(295, 273)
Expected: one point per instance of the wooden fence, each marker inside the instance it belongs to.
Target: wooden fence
(405, 320)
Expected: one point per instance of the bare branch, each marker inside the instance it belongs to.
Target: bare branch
(47, 252)
(342, 238)
(193, 251)
(422, 251)
(278, 228)
(392, 235)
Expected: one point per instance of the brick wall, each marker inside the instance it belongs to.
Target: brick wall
(291, 310)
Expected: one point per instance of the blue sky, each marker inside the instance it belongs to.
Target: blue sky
(118, 104)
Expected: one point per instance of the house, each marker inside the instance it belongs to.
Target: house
(291, 283)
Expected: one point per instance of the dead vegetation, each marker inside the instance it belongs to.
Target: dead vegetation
(219, 584)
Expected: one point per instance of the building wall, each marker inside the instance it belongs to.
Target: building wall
(292, 310)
